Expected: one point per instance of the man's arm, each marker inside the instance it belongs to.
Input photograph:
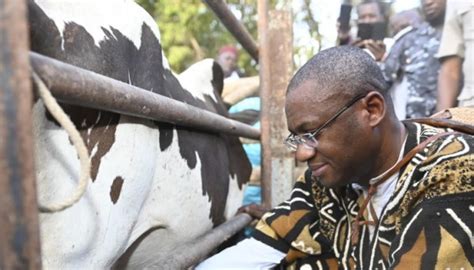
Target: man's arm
(376, 48)
(449, 82)
(247, 254)
(437, 235)
(285, 232)
(437, 232)
(451, 52)
(394, 64)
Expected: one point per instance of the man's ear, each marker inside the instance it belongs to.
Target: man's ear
(375, 106)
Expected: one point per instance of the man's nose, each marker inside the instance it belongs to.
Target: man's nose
(304, 153)
(366, 20)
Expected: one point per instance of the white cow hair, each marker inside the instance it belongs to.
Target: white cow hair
(95, 231)
(189, 80)
(234, 197)
(94, 227)
(164, 191)
(94, 21)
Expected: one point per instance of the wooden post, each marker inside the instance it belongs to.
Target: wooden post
(20, 246)
(276, 54)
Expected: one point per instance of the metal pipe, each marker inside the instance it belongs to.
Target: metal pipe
(19, 229)
(281, 58)
(73, 85)
(219, 7)
(191, 253)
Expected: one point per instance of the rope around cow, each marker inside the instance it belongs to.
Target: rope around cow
(63, 119)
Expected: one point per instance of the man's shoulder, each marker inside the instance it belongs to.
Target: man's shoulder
(407, 31)
(444, 166)
(460, 6)
(447, 143)
(414, 33)
(402, 41)
(447, 151)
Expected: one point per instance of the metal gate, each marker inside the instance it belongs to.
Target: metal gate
(20, 247)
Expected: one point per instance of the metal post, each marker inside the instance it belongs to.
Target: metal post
(265, 95)
(280, 38)
(234, 26)
(20, 246)
(195, 251)
(188, 253)
(73, 85)
(275, 35)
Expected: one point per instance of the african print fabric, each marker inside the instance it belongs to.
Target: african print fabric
(428, 222)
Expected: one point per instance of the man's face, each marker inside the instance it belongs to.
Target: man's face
(369, 13)
(228, 62)
(434, 10)
(342, 146)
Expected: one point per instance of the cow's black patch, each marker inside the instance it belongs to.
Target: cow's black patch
(118, 58)
(116, 189)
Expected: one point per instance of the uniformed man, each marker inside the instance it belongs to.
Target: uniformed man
(413, 67)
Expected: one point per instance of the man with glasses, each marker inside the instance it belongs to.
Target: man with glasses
(378, 193)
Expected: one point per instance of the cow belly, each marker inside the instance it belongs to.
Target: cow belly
(176, 212)
(234, 198)
(95, 231)
(176, 206)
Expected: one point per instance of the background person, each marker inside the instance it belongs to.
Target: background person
(412, 67)
(406, 19)
(456, 51)
(227, 59)
(368, 12)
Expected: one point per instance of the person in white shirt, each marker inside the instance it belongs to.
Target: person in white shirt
(456, 53)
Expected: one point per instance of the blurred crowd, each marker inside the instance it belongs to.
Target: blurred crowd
(426, 53)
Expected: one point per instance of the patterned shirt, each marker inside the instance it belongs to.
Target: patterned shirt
(427, 223)
(413, 56)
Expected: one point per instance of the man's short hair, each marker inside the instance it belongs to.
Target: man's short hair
(346, 69)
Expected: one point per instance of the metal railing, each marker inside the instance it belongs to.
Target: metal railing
(77, 86)
(234, 26)
(70, 84)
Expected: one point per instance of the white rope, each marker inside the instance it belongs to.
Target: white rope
(63, 119)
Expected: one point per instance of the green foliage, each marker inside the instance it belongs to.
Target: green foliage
(190, 31)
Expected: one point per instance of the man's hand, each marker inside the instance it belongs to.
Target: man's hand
(376, 47)
(254, 210)
(343, 35)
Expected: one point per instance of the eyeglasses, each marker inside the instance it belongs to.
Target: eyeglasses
(309, 139)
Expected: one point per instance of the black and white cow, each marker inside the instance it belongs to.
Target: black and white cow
(145, 175)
